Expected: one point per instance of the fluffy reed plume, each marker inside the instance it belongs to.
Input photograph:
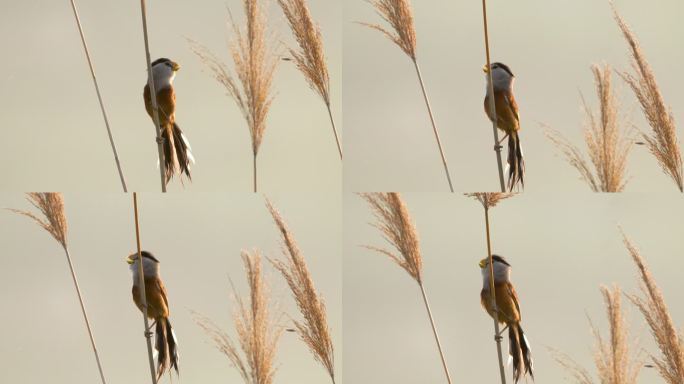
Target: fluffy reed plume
(310, 58)
(662, 141)
(314, 330)
(257, 330)
(53, 220)
(606, 141)
(670, 363)
(490, 200)
(255, 62)
(614, 361)
(398, 14)
(397, 228)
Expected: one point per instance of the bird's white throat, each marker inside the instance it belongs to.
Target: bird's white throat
(150, 269)
(163, 76)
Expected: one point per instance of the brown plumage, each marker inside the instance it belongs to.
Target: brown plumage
(157, 309)
(507, 120)
(177, 155)
(507, 312)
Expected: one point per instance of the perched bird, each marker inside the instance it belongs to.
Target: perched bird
(507, 120)
(177, 154)
(165, 342)
(508, 310)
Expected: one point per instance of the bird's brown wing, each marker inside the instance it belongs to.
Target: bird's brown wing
(506, 303)
(155, 293)
(166, 102)
(506, 111)
(514, 106)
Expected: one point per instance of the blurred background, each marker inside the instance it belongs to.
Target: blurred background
(198, 240)
(550, 47)
(561, 251)
(55, 138)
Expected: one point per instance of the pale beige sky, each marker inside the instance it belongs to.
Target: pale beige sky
(561, 250)
(549, 46)
(55, 138)
(197, 239)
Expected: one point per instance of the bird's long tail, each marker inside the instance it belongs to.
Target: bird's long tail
(516, 164)
(166, 345)
(177, 152)
(520, 351)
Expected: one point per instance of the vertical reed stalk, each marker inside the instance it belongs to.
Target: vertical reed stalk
(99, 96)
(153, 92)
(255, 173)
(143, 300)
(51, 206)
(434, 331)
(399, 15)
(492, 105)
(434, 125)
(337, 137)
(492, 289)
(396, 226)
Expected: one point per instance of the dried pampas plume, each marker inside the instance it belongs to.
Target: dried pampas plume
(670, 363)
(257, 330)
(255, 63)
(314, 330)
(607, 143)
(662, 141)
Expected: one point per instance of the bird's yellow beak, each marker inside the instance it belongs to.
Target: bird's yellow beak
(483, 263)
(130, 260)
(485, 69)
(176, 67)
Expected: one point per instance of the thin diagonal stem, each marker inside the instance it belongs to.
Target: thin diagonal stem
(434, 126)
(337, 137)
(141, 282)
(434, 331)
(99, 96)
(255, 172)
(497, 334)
(153, 98)
(492, 104)
(85, 315)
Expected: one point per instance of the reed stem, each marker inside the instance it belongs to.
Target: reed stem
(85, 315)
(141, 281)
(434, 126)
(99, 98)
(254, 165)
(434, 331)
(337, 137)
(497, 335)
(153, 98)
(492, 104)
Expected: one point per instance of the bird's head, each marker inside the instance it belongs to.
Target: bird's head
(501, 266)
(150, 263)
(167, 63)
(498, 68)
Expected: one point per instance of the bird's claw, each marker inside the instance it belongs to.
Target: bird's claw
(160, 140)
(498, 338)
(148, 334)
(498, 147)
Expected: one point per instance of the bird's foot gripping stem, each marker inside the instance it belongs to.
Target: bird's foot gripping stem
(159, 140)
(498, 146)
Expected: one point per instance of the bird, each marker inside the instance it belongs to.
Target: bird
(507, 120)
(508, 309)
(177, 151)
(165, 342)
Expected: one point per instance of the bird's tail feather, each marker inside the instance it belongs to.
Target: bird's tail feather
(177, 154)
(516, 163)
(519, 349)
(166, 345)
